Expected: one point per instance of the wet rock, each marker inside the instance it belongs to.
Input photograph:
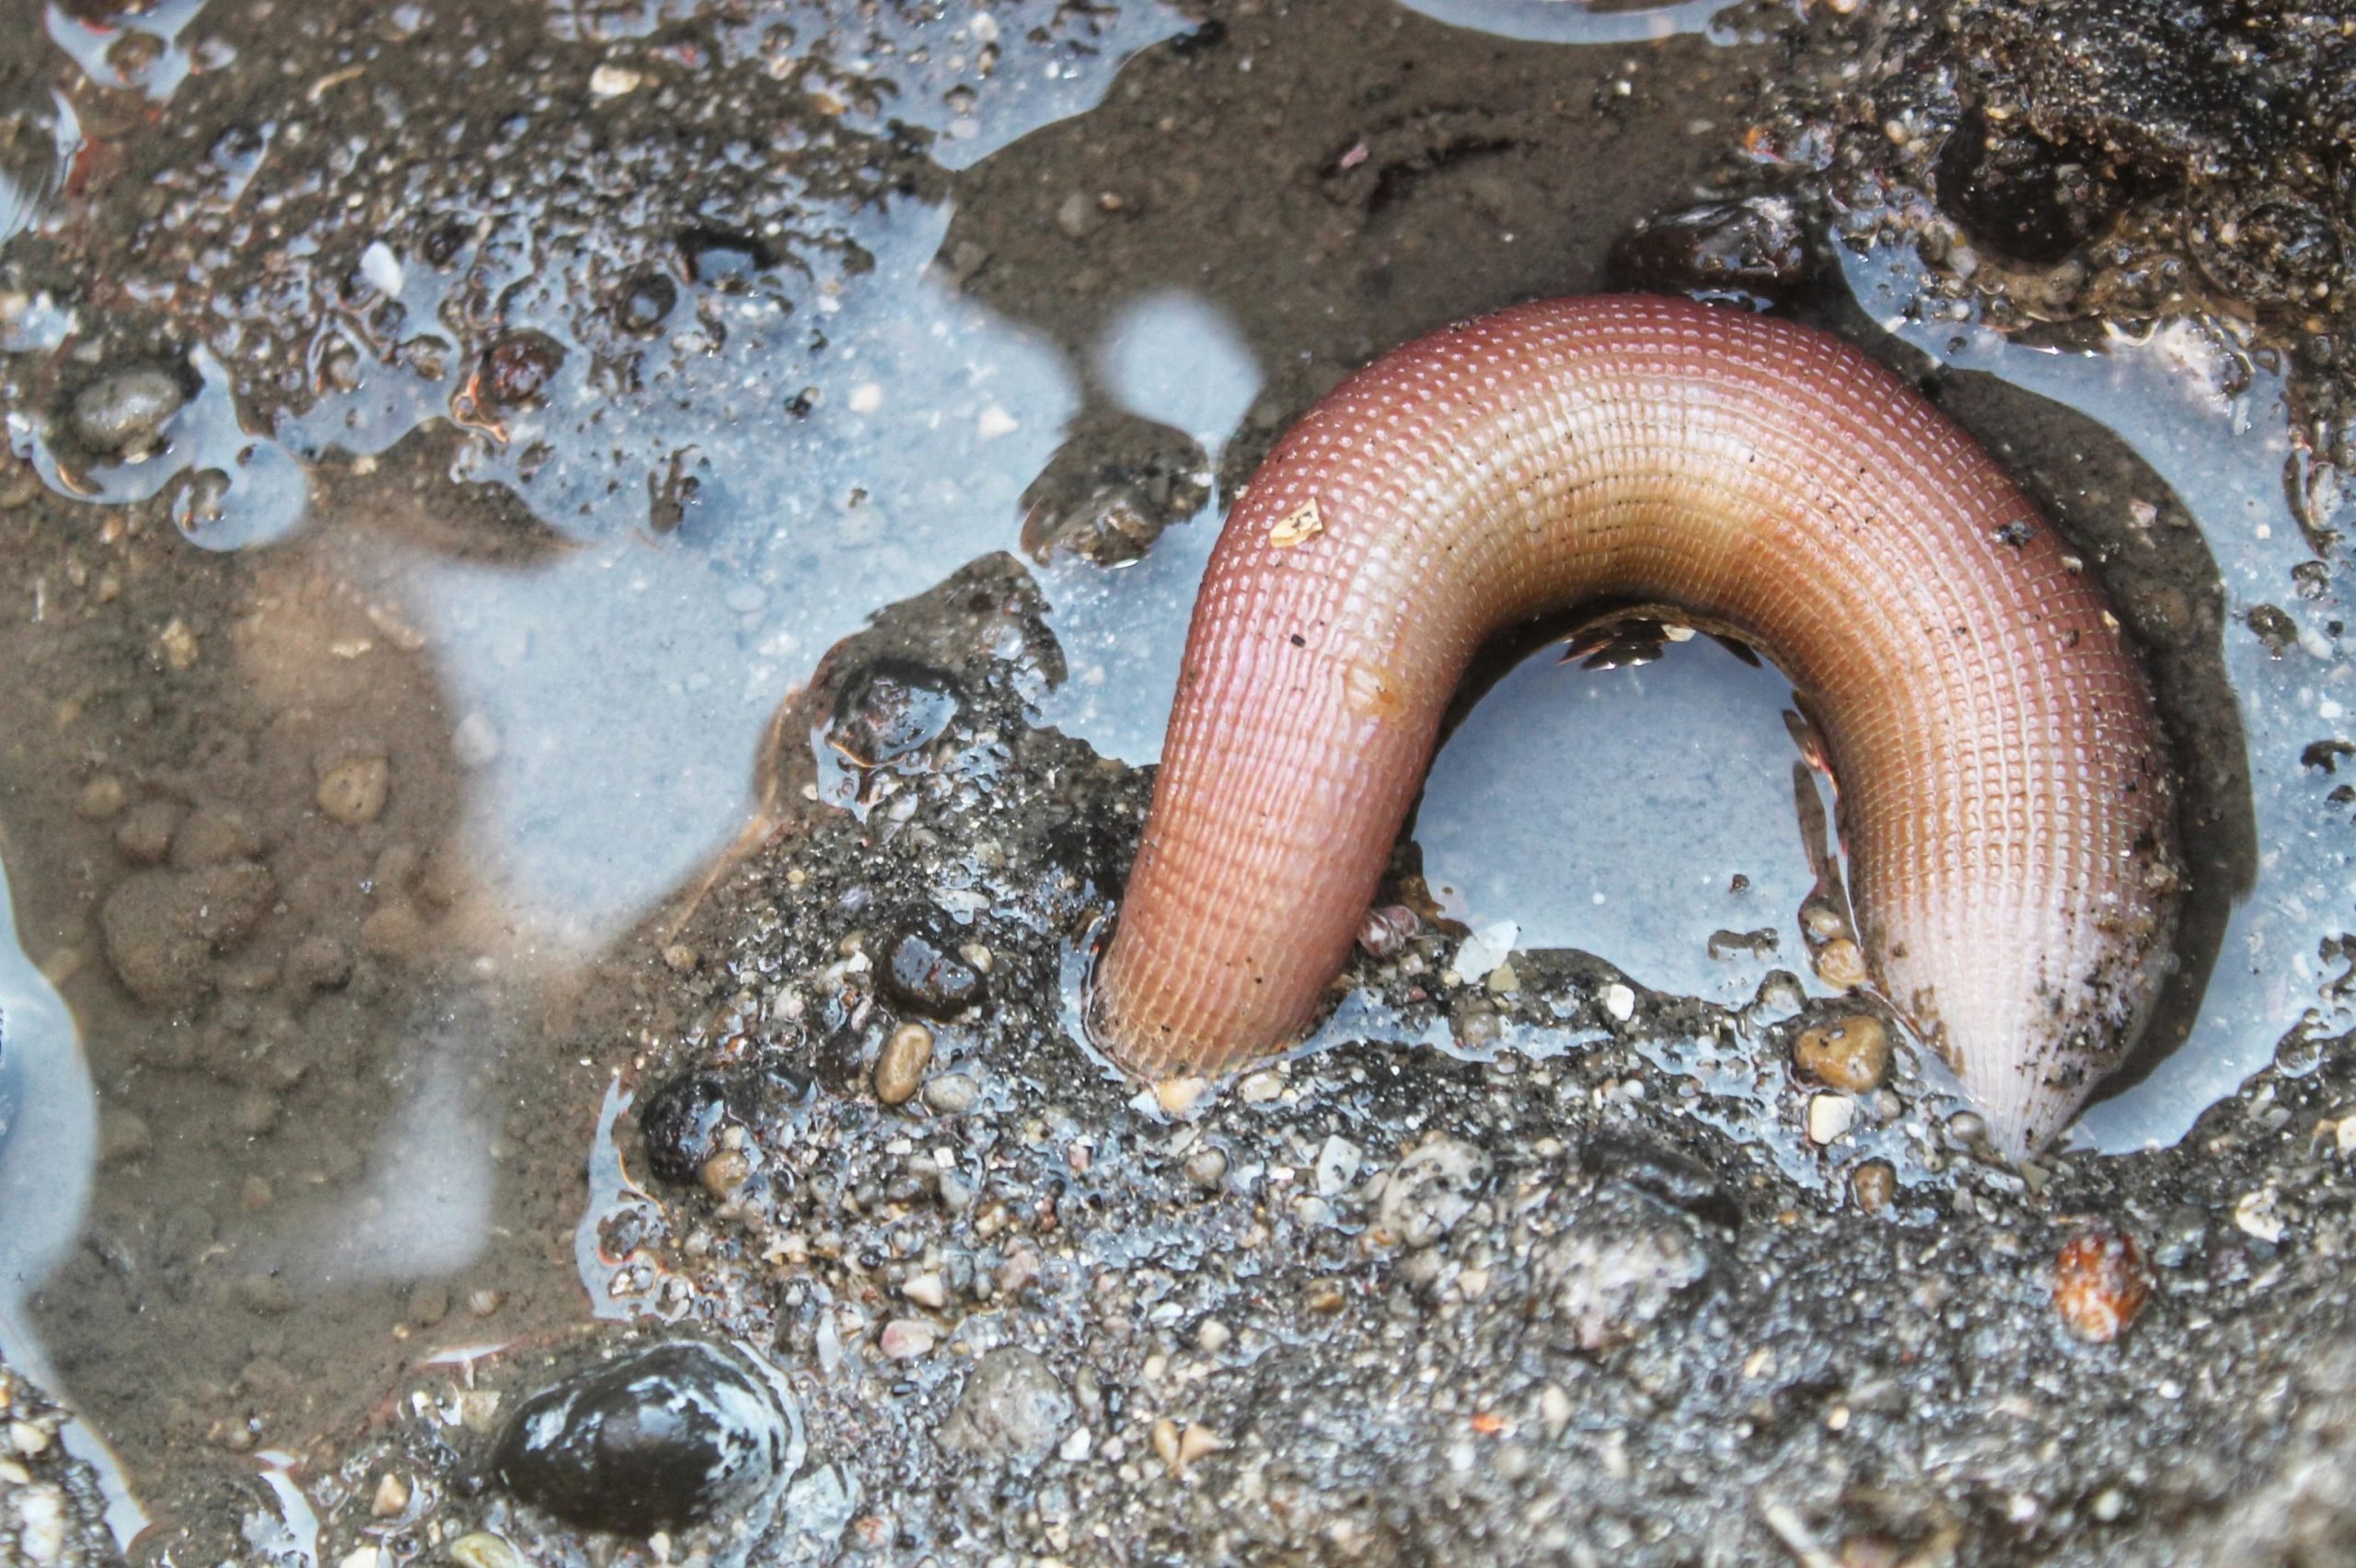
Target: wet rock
(144, 837)
(2022, 196)
(1623, 1263)
(100, 798)
(213, 836)
(891, 709)
(2100, 1283)
(678, 1434)
(1111, 488)
(1673, 1178)
(1872, 1185)
(644, 302)
(952, 1094)
(900, 1066)
(1752, 251)
(1432, 1189)
(1388, 930)
(2276, 247)
(518, 369)
(353, 791)
(162, 927)
(1013, 1407)
(1849, 1053)
(124, 413)
(682, 1122)
(921, 975)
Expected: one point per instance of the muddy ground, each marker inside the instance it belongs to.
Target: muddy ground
(1576, 1288)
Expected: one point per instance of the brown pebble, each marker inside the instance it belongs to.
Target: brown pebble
(1852, 1054)
(1873, 1185)
(900, 1066)
(2100, 1283)
(1841, 963)
(144, 837)
(724, 1172)
(353, 791)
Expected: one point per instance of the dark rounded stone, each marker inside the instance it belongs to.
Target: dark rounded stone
(519, 368)
(682, 1119)
(644, 302)
(890, 709)
(2022, 196)
(677, 1434)
(923, 975)
(1753, 250)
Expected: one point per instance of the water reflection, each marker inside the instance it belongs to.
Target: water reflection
(49, 1127)
(1641, 813)
(1574, 21)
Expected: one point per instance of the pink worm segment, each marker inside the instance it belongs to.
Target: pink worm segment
(2003, 795)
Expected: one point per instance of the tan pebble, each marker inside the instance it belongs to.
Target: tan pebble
(100, 798)
(1849, 1053)
(680, 957)
(1325, 1296)
(2100, 1283)
(482, 1301)
(927, 1290)
(1840, 963)
(1165, 1442)
(391, 1496)
(1206, 1168)
(355, 790)
(363, 1556)
(724, 1172)
(1177, 1096)
(900, 1066)
(1213, 1336)
(1503, 980)
(2346, 1134)
(483, 1549)
(1873, 1185)
(26, 1439)
(1259, 1087)
(1195, 1442)
(176, 644)
(478, 1410)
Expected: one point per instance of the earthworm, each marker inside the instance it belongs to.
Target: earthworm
(2002, 784)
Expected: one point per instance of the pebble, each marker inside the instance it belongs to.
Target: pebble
(1485, 950)
(1967, 1127)
(2100, 1283)
(1849, 1053)
(889, 710)
(1206, 1168)
(2346, 1134)
(355, 790)
(644, 302)
(382, 270)
(1012, 1406)
(907, 1339)
(927, 1290)
(900, 1066)
(1337, 1166)
(1213, 1336)
(1432, 1190)
(1829, 1116)
(671, 1435)
(1752, 248)
(391, 1497)
(100, 798)
(1620, 1001)
(952, 1094)
(1840, 963)
(123, 414)
(517, 369)
(1389, 929)
(144, 837)
(1177, 1096)
(1258, 1089)
(480, 1548)
(724, 1172)
(1873, 1184)
(921, 975)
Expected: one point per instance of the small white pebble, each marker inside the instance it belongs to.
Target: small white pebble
(382, 269)
(1076, 1446)
(994, 422)
(1829, 1116)
(613, 81)
(1620, 1001)
(927, 1290)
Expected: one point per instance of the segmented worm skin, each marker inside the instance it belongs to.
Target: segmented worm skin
(2003, 795)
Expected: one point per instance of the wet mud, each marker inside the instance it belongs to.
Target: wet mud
(582, 582)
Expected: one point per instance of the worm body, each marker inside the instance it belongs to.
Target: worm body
(2004, 794)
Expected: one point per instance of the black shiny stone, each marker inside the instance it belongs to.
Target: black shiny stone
(678, 1434)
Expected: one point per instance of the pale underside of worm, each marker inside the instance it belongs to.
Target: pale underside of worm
(2003, 793)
